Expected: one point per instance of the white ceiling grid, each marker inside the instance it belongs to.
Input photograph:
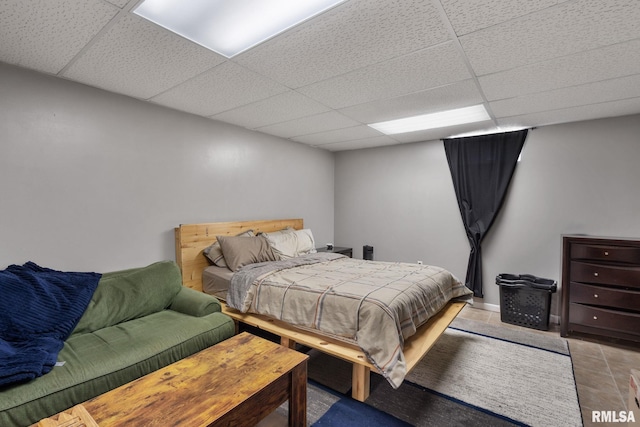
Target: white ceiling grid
(531, 62)
(46, 35)
(138, 58)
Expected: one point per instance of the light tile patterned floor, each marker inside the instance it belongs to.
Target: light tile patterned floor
(601, 367)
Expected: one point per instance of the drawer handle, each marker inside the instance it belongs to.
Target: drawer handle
(606, 253)
(595, 295)
(595, 317)
(595, 274)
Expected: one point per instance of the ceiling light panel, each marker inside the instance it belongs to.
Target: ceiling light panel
(230, 27)
(437, 134)
(475, 113)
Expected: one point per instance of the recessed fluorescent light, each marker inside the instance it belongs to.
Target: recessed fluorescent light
(459, 116)
(230, 27)
(498, 129)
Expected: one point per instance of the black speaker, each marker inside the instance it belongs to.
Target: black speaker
(367, 252)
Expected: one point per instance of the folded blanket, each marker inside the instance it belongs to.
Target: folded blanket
(39, 308)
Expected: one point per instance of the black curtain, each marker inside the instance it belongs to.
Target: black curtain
(481, 169)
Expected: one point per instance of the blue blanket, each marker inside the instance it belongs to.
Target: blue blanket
(39, 308)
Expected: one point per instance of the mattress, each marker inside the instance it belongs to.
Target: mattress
(216, 281)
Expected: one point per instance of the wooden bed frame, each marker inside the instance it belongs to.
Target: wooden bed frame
(192, 239)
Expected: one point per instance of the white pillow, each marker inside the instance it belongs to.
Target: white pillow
(305, 242)
(289, 243)
(283, 242)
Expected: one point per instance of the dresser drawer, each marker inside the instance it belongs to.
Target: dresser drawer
(605, 297)
(605, 274)
(605, 319)
(627, 254)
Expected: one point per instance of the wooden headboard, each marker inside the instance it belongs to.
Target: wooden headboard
(192, 239)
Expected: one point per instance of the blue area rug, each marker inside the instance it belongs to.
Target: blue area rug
(350, 412)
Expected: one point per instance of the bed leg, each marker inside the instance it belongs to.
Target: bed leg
(287, 342)
(360, 382)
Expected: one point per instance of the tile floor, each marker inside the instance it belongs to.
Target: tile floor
(601, 367)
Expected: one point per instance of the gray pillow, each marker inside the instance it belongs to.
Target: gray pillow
(243, 250)
(214, 253)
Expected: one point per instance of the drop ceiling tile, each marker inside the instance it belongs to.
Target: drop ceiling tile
(350, 36)
(575, 114)
(591, 93)
(565, 29)
(427, 68)
(581, 54)
(140, 59)
(609, 62)
(279, 108)
(222, 88)
(358, 144)
(456, 95)
(469, 16)
(45, 35)
(121, 3)
(447, 132)
(339, 135)
(307, 125)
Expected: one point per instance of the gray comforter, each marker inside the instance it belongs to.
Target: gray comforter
(375, 304)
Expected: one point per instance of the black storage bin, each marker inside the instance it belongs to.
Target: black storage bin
(525, 300)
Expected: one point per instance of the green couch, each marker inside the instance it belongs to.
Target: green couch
(138, 321)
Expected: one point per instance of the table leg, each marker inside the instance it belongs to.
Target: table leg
(298, 396)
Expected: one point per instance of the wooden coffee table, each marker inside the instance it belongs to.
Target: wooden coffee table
(237, 382)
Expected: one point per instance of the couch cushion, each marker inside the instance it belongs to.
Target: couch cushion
(130, 294)
(103, 360)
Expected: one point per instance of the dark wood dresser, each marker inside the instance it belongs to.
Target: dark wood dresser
(601, 286)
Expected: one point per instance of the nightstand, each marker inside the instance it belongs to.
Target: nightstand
(337, 250)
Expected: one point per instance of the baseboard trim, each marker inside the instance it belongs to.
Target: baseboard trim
(486, 306)
(553, 318)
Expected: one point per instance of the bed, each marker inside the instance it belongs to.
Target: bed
(411, 346)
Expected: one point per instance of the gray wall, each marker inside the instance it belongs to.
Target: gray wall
(573, 178)
(91, 180)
